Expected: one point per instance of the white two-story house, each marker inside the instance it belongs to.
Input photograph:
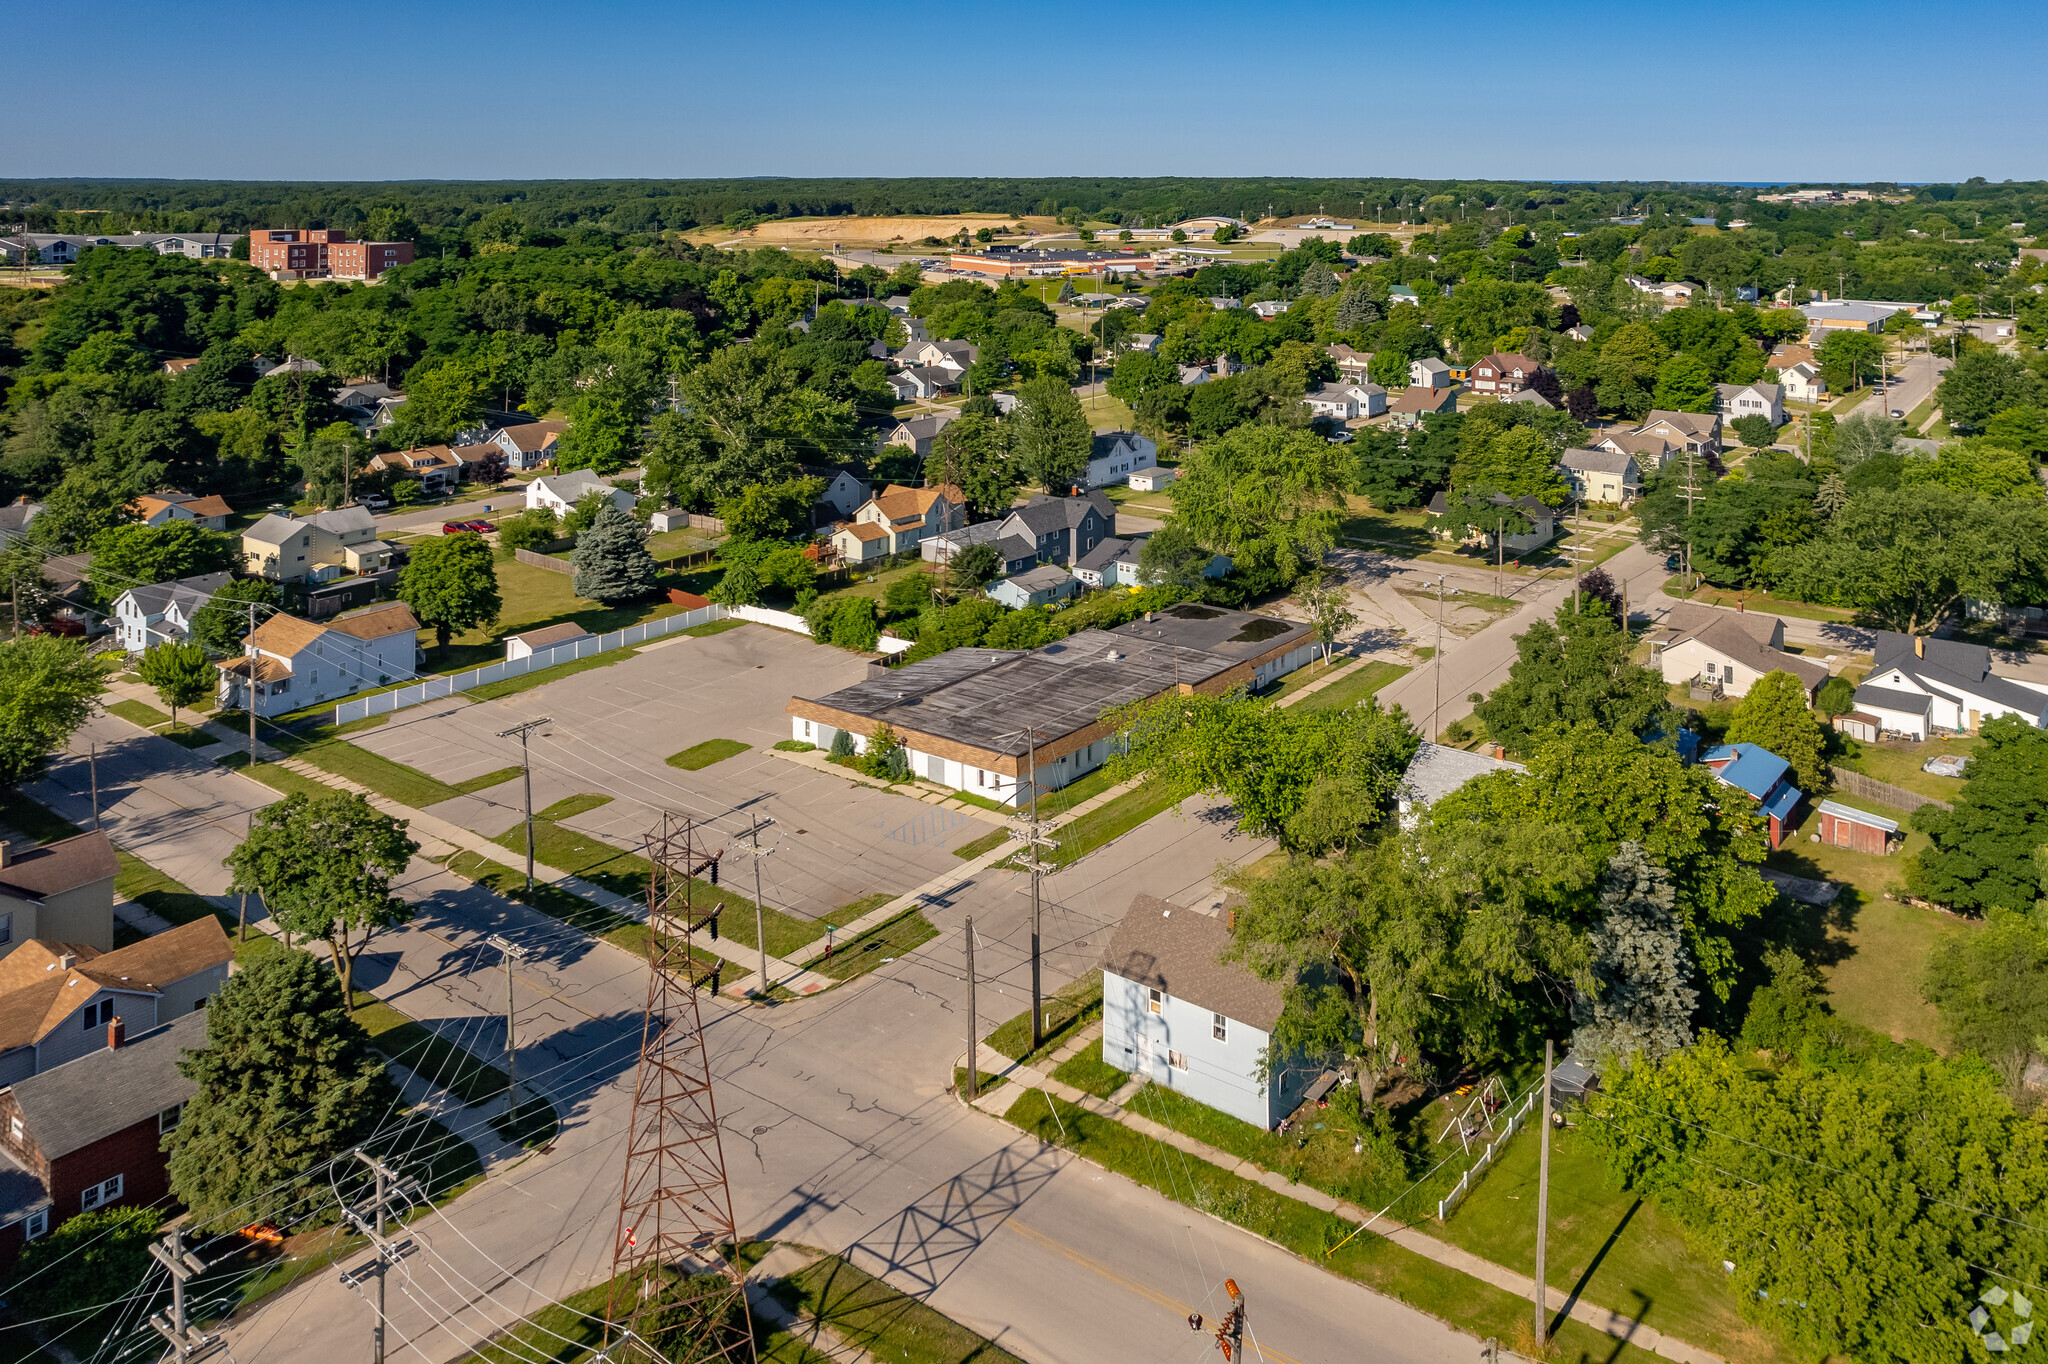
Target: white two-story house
(161, 613)
(897, 520)
(1116, 455)
(1173, 1014)
(295, 663)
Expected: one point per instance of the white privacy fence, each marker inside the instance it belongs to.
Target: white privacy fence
(435, 688)
(785, 620)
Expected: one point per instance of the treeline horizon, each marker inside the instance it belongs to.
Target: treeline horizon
(440, 211)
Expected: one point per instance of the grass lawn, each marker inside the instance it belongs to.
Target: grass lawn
(1090, 1074)
(275, 775)
(1301, 677)
(426, 1053)
(1105, 413)
(135, 879)
(1350, 690)
(702, 755)
(573, 805)
(158, 723)
(785, 932)
(1755, 600)
(407, 785)
(1621, 1251)
(533, 1123)
(896, 938)
(1464, 1302)
(1897, 762)
(1076, 1005)
(572, 1331)
(1109, 821)
(876, 584)
(34, 820)
(529, 599)
(488, 780)
(1871, 950)
(892, 1326)
(988, 842)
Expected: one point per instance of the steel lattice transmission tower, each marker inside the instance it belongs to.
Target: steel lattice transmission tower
(675, 1214)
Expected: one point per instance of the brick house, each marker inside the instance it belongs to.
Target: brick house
(89, 1134)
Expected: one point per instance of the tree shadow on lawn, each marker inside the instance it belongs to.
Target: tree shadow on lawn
(1821, 933)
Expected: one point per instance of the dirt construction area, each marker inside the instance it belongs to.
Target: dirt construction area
(822, 232)
(834, 841)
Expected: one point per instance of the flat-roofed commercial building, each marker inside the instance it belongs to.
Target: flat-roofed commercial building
(982, 720)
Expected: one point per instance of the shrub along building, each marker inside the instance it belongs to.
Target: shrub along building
(983, 720)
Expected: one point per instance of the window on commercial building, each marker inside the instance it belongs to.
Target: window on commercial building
(1154, 1001)
(1219, 1027)
(106, 1191)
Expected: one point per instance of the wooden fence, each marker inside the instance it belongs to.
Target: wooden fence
(548, 562)
(1856, 784)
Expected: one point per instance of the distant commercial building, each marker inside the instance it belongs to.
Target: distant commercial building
(322, 253)
(64, 248)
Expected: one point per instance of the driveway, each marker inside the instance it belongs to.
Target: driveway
(834, 841)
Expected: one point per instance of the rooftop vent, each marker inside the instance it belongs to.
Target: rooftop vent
(1113, 656)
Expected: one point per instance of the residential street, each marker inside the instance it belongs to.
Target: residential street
(839, 1131)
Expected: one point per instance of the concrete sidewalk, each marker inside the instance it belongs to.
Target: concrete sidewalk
(1039, 1076)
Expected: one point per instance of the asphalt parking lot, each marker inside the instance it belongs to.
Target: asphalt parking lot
(612, 728)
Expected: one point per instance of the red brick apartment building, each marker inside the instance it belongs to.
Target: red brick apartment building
(322, 253)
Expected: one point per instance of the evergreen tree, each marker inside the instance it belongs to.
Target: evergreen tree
(1983, 857)
(612, 562)
(1318, 281)
(1831, 498)
(287, 1082)
(1355, 309)
(1641, 1005)
(179, 672)
(1066, 294)
(1775, 716)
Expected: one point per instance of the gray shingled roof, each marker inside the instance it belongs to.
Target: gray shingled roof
(1597, 461)
(1175, 950)
(69, 1107)
(1437, 770)
(1106, 552)
(191, 593)
(1956, 665)
(1045, 513)
(1890, 698)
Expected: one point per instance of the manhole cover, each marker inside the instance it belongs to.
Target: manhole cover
(759, 1130)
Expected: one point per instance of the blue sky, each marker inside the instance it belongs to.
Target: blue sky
(614, 88)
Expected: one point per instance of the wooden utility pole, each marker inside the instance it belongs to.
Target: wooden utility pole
(972, 1041)
(1543, 1207)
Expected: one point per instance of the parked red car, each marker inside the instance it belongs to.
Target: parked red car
(454, 527)
(481, 527)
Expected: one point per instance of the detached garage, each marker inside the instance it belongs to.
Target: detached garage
(1857, 830)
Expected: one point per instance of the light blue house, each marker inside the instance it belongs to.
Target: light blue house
(1174, 1013)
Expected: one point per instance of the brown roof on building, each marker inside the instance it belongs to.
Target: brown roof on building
(41, 992)
(376, 622)
(1422, 398)
(210, 505)
(162, 959)
(179, 366)
(534, 435)
(266, 669)
(285, 635)
(54, 868)
(910, 504)
(552, 634)
(863, 530)
(1176, 951)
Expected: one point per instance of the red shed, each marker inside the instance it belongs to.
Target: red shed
(1857, 830)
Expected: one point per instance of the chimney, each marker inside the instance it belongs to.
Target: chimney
(4, 854)
(67, 960)
(1919, 651)
(117, 1033)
